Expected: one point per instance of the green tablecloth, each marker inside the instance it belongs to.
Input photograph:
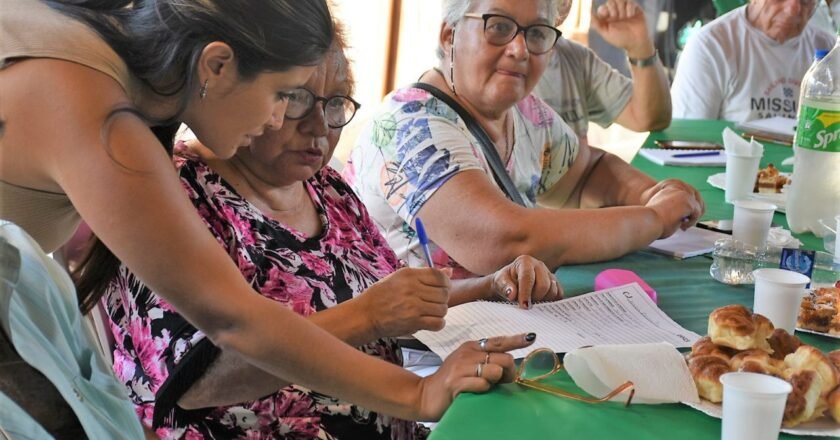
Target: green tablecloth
(686, 292)
(716, 209)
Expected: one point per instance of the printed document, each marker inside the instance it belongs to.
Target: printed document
(619, 315)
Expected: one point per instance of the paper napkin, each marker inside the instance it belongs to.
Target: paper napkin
(734, 144)
(658, 371)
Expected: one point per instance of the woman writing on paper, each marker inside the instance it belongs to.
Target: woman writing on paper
(91, 89)
(303, 239)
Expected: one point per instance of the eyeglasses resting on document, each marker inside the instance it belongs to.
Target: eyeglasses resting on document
(543, 363)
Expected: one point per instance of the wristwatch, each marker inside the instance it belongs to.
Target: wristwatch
(644, 62)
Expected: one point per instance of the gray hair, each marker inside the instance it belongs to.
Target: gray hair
(454, 10)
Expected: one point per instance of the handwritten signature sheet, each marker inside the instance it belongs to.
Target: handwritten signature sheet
(619, 315)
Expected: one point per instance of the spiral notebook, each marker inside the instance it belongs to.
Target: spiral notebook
(685, 158)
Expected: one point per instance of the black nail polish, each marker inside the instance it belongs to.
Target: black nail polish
(530, 337)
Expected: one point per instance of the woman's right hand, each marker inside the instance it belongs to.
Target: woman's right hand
(459, 372)
(406, 301)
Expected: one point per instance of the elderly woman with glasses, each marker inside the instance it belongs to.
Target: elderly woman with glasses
(419, 158)
(302, 238)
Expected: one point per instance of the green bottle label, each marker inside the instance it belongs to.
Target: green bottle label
(818, 129)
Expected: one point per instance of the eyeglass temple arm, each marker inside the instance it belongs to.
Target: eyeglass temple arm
(552, 390)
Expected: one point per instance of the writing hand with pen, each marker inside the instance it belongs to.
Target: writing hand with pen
(677, 204)
(525, 280)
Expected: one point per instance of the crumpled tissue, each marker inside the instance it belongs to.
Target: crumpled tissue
(658, 371)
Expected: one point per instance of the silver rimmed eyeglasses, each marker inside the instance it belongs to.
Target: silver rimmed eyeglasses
(338, 109)
(501, 29)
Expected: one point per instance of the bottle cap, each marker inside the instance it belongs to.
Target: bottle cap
(820, 54)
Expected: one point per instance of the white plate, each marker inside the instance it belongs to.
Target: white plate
(719, 181)
(805, 330)
(822, 427)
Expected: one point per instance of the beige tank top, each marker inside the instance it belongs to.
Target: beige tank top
(31, 29)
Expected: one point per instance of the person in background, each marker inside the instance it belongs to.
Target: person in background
(417, 158)
(827, 16)
(301, 238)
(749, 63)
(581, 87)
(93, 93)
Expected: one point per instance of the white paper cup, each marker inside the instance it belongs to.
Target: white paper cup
(751, 222)
(837, 241)
(741, 172)
(778, 293)
(753, 406)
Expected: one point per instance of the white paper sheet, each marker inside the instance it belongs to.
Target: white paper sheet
(619, 315)
(689, 243)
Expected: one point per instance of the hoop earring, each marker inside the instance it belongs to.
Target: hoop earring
(202, 92)
(452, 61)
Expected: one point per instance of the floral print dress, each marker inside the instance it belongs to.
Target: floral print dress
(416, 143)
(158, 355)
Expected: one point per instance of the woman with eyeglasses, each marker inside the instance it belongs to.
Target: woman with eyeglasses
(303, 239)
(93, 92)
(418, 158)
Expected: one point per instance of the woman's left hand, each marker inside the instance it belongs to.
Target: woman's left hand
(526, 280)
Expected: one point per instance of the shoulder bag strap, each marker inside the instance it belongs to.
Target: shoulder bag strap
(499, 173)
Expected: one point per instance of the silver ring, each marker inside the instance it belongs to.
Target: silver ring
(482, 343)
(487, 358)
(479, 368)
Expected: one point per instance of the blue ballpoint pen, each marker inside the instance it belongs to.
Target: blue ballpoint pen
(705, 153)
(424, 241)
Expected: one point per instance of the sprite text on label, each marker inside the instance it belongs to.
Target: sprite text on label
(818, 129)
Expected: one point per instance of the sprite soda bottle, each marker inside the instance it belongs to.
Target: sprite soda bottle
(814, 193)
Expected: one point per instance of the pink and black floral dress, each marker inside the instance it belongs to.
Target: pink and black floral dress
(159, 355)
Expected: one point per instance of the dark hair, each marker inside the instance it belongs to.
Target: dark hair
(161, 42)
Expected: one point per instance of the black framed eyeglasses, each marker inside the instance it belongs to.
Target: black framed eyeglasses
(338, 109)
(501, 29)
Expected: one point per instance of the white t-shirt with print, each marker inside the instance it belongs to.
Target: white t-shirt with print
(581, 87)
(416, 143)
(733, 71)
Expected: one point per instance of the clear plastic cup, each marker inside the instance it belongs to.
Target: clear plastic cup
(741, 172)
(751, 222)
(753, 406)
(778, 293)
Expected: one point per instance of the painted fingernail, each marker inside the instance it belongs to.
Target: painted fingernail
(530, 337)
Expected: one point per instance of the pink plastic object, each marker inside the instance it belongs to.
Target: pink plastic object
(619, 277)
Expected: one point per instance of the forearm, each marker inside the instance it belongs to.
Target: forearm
(579, 236)
(612, 182)
(471, 289)
(649, 107)
(558, 237)
(230, 379)
(374, 384)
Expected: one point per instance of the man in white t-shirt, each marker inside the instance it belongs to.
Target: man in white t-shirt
(748, 64)
(581, 87)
